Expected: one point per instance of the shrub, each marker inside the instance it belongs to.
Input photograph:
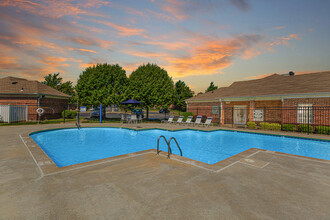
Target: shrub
(69, 114)
(322, 129)
(289, 127)
(264, 125)
(305, 128)
(186, 114)
(275, 126)
(251, 125)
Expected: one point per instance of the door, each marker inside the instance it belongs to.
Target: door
(240, 114)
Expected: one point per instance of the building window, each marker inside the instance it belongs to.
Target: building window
(215, 109)
(258, 115)
(305, 113)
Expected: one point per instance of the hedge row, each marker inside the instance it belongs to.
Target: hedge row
(290, 127)
(186, 114)
(270, 126)
(69, 114)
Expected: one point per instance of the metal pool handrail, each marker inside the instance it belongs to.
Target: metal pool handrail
(169, 151)
(169, 144)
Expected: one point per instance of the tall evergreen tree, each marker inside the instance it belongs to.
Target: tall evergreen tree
(211, 87)
(55, 81)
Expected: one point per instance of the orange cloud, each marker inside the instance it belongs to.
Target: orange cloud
(130, 67)
(86, 65)
(284, 40)
(212, 56)
(123, 31)
(56, 8)
(86, 50)
(161, 16)
(176, 45)
(176, 9)
(144, 54)
(8, 62)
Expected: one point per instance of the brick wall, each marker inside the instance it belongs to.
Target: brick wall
(204, 109)
(273, 111)
(53, 107)
(320, 110)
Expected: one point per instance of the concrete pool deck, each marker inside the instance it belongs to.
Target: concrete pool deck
(148, 186)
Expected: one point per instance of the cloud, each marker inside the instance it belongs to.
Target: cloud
(279, 27)
(86, 50)
(56, 8)
(214, 55)
(145, 54)
(243, 5)
(284, 40)
(179, 10)
(122, 30)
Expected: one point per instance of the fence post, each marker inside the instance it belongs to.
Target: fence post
(219, 116)
(232, 116)
(64, 115)
(100, 113)
(308, 118)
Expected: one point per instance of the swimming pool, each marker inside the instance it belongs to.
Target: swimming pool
(72, 146)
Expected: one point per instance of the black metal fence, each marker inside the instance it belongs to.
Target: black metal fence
(302, 118)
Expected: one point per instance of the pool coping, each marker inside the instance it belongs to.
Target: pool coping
(47, 167)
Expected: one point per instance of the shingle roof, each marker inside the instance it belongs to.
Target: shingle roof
(272, 85)
(14, 85)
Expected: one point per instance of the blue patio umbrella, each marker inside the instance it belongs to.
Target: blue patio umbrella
(130, 101)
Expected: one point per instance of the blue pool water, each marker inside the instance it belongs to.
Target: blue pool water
(72, 146)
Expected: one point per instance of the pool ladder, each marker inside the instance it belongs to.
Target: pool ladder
(169, 151)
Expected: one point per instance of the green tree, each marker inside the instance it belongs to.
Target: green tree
(211, 87)
(69, 89)
(182, 92)
(102, 84)
(151, 85)
(55, 81)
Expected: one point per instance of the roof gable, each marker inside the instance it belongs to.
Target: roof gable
(272, 85)
(20, 86)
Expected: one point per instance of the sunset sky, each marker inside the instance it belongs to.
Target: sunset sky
(197, 41)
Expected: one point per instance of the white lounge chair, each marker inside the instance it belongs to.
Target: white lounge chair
(188, 121)
(208, 122)
(170, 120)
(198, 120)
(179, 121)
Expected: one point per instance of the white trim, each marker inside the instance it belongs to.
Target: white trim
(270, 97)
(35, 161)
